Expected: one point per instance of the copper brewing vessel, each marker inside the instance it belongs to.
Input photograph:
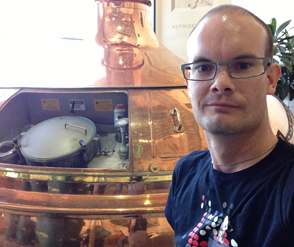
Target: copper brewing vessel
(59, 206)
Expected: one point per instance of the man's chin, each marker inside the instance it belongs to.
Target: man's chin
(221, 127)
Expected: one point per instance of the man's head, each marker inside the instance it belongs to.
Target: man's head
(232, 9)
(226, 105)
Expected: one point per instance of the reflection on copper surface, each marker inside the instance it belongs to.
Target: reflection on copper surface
(132, 55)
(122, 57)
(124, 22)
(151, 120)
(36, 231)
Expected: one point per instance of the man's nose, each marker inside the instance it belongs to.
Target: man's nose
(223, 82)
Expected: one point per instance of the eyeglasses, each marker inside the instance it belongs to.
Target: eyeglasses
(238, 68)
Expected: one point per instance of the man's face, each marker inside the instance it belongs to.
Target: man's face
(225, 105)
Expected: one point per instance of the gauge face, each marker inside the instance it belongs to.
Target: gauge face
(122, 122)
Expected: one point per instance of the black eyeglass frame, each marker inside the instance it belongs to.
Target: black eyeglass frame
(266, 62)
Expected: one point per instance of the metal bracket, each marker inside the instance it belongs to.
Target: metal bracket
(179, 128)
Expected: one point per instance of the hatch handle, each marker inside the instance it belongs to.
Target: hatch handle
(83, 150)
(77, 126)
(179, 128)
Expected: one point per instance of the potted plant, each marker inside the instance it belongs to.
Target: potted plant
(284, 55)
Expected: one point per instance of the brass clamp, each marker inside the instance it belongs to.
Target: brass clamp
(179, 128)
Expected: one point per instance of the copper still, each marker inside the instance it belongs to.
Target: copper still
(143, 124)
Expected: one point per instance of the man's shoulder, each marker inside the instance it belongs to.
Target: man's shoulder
(193, 160)
(197, 155)
(285, 151)
(189, 169)
(289, 147)
(282, 167)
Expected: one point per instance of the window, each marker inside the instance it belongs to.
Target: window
(48, 43)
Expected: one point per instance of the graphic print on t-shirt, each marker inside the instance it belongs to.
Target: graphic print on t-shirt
(210, 223)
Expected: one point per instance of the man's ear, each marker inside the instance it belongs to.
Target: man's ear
(273, 75)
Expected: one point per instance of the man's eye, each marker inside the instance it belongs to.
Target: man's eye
(203, 68)
(242, 65)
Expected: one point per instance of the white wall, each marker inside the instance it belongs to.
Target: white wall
(173, 25)
(282, 10)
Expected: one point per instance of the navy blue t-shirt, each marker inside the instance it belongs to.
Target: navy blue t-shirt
(258, 201)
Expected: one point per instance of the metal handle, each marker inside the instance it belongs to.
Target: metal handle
(83, 151)
(76, 127)
(179, 128)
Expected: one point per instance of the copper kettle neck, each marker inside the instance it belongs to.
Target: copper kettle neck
(147, 2)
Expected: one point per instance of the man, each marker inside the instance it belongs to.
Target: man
(138, 236)
(120, 238)
(241, 191)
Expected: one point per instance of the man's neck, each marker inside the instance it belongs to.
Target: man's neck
(227, 149)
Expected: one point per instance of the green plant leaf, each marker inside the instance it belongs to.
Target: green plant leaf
(281, 27)
(290, 45)
(280, 92)
(289, 55)
(273, 25)
(291, 93)
(283, 35)
(272, 29)
(287, 63)
(280, 40)
(283, 48)
(276, 50)
(291, 79)
(283, 80)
